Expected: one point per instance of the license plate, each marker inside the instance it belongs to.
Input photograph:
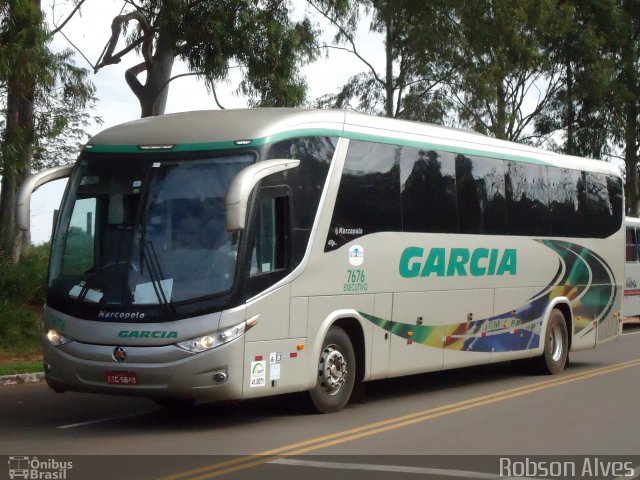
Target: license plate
(121, 378)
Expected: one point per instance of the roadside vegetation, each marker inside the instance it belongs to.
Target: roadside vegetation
(22, 296)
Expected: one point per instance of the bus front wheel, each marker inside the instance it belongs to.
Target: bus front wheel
(336, 372)
(556, 345)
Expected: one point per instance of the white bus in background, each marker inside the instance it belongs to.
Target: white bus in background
(631, 300)
(238, 254)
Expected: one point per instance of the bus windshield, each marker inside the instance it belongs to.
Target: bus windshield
(145, 231)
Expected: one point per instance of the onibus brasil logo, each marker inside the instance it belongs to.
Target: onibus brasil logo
(38, 469)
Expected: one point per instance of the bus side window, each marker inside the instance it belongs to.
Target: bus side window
(632, 250)
(270, 252)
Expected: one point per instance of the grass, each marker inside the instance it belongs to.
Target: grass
(22, 296)
(24, 366)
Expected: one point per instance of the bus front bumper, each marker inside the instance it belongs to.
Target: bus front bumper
(154, 372)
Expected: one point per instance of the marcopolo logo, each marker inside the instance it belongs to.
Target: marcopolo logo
(102, 315)
(147, 334)
(461, 262)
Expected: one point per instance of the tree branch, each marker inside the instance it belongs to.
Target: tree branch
(77, 49)
(351, 41)
(69, 17)
(108, 58)
(131, 76)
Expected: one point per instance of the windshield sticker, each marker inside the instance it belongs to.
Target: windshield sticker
(258, 374)
(356, 255)
(147, 292)
(83, 292)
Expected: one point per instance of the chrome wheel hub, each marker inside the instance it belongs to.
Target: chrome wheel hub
(332, 370)
(555, 343)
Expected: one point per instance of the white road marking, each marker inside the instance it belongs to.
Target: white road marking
(391, 469)
(631, 333)
(102, 420)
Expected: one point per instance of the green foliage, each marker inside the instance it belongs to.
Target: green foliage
(62, 95)
(62, 112)
(16, 367)
(22, 296)
(419, 44)
(502, 57)
(259, 37)
(78, 254)
(581, 108)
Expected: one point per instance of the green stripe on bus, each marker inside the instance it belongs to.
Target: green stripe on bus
(445, 148)
(192, 147)
(313, 132)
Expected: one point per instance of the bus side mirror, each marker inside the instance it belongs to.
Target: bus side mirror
(30, 185)
(241, 186)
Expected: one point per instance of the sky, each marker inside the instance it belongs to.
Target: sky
(89, 32)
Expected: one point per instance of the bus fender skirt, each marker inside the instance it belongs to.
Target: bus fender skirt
(316, 347)
(564, 305)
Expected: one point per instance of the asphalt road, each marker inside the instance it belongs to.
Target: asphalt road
(442, 425)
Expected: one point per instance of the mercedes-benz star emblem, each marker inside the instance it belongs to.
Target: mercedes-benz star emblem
(119, 354)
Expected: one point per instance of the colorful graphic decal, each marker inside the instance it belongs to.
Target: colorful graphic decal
(583, 277)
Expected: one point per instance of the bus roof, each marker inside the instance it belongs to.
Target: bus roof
(207, 129)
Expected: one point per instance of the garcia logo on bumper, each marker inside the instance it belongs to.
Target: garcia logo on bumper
(147, 334)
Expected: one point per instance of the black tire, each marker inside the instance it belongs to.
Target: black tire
(556, 346)
(336, 372)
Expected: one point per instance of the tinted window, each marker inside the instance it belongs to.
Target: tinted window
(270, 245)
(527, 190)
(566, 202)
(428, 191)
(481, 195)
(368, 199)
(79, 254)
(614, 188)
(598, 205)
(632, 250)
(305, 182)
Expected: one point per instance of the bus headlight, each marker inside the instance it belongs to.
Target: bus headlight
(213, 340)
(55, 338)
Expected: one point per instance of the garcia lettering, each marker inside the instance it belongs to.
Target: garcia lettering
(457, 262)
(147, 334)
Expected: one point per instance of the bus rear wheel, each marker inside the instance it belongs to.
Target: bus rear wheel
(556, 345)
(336, 372)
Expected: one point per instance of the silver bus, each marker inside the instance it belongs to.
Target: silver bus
(237, 254)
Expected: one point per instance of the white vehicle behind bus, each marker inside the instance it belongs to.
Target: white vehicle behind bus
(631, 300)
(238, 254)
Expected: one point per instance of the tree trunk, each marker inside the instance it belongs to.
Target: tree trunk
(631, 157)
(16, 154)
(157, 86)
(571, 113)
(153, 94)
(501, 113)
(630, 116)
(389, 107)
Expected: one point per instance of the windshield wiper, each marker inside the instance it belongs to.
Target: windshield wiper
(148, 253)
